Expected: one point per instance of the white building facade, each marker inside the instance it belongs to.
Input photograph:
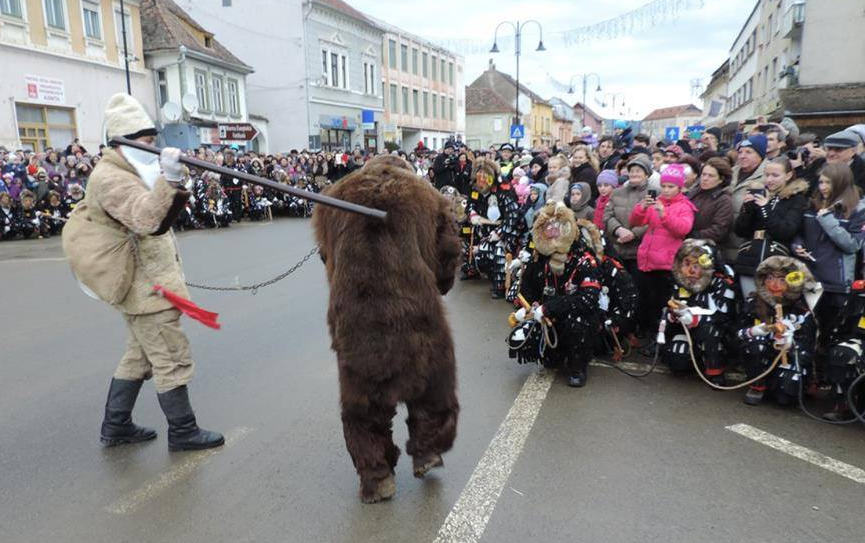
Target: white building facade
(61, 60)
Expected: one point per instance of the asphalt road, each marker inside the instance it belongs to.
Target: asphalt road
(619, 461)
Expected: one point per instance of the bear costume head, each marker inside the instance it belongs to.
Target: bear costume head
(554, 232)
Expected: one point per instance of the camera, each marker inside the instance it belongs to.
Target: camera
(757, 192)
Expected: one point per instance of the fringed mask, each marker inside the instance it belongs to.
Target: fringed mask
(554, 232)
(695, 263)
(784, 280)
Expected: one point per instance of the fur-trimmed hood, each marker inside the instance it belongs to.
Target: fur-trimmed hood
(706, 253)
(800, 281)
(794, 187)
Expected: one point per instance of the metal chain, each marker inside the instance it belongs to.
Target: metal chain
(254, 288)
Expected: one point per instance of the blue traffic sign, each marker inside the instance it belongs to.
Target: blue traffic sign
(518, 131)
(671, 133)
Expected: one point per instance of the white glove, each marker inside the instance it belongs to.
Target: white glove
(761, 329)
(35, 221)
(785, 341)
(525, 256)
(495, 237)
(475, 219)
(520, 315)
(516, 264)
(685, 316)
(169, 160)
(538, 313)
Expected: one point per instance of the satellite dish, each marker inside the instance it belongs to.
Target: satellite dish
(190, 102)
(171, 111)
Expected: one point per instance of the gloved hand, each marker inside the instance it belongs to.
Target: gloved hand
(685, 316)
(785, 341)
(761, 329)
(475, 219)
(525, 256)
(538, 313)
(35, 221)
(520, 315)
(494, 237)
(169, 161)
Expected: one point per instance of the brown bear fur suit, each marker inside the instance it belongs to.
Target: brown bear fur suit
(386, 317)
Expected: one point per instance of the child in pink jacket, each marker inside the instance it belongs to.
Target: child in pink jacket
(669, 218)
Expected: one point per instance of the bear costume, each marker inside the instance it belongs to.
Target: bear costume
(386, 318)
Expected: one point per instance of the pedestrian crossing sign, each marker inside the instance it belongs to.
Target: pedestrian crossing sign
(518, 131)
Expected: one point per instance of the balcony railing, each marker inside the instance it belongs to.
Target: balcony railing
(794, 18)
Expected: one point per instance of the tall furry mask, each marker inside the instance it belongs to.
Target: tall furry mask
(799, 281)
(706, 254)
(554, 232)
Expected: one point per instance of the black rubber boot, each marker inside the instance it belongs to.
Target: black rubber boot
(183, 432)
(117, 427)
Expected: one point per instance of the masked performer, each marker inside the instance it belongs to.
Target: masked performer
(777, 323)
(703, 300)
(563, 287)
(120, 245)
(386, 318)
(494, 216)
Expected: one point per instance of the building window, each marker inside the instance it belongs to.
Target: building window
(443, 73)
(201, 91)
(391, 54)
(775, 69)
(393, 103)
(11, 8)
(405, 108)
(233, 97)
(366, 78)
(208, 41)
(451, 108)
(226, 3)
(334, 70)
(218, 85)
(434, 69)
(414, 60)
(372, 85)
(435, 105)
(343, 64)
(435, 143)
(425, 103)
(92, 26)
(415, 102)
(40, 127)
(118, 25)
(444, 113)
(163, 86)
(424, 62)
(54, 15)
(403, 50)
(451, 73)
(324, 72)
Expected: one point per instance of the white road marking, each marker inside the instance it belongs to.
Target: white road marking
(29, 260)
(469, 517)
(802, 453)
(134, 500)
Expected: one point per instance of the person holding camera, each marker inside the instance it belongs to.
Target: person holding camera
(770, 218)
(444, 166)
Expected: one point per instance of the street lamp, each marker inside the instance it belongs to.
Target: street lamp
(518, 36)
(585, 78)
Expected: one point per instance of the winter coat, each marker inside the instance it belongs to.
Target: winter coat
(714, 218)
(443, 170)
(558, 182)
(584, 173)
(463, 178)
(834, 242)
(738, 188)
(532, 209)
(617, 214)
(118, 199)
(600, 206)
(779, 223)
(665, 234)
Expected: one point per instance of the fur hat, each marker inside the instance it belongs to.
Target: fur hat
(799, 280)
(706, 253)
(125, 116)
(554, 231)
(487, 166)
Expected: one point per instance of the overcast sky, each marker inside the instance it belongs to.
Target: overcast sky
(653, 67)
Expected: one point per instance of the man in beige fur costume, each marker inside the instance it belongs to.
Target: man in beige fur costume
(120, 246)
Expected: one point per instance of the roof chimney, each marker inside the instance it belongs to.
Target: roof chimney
(492, 65)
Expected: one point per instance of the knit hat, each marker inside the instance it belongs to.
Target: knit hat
(675, 149)
(715, 131)
(643, 162)
(608, 177)
(844, 139)
(125, 116)
(757, 142)
(674, 174)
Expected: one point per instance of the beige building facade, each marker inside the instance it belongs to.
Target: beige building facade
(61, 62)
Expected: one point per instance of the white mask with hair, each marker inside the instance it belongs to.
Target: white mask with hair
(146, 164)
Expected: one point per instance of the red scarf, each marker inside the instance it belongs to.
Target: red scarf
(600, 205)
